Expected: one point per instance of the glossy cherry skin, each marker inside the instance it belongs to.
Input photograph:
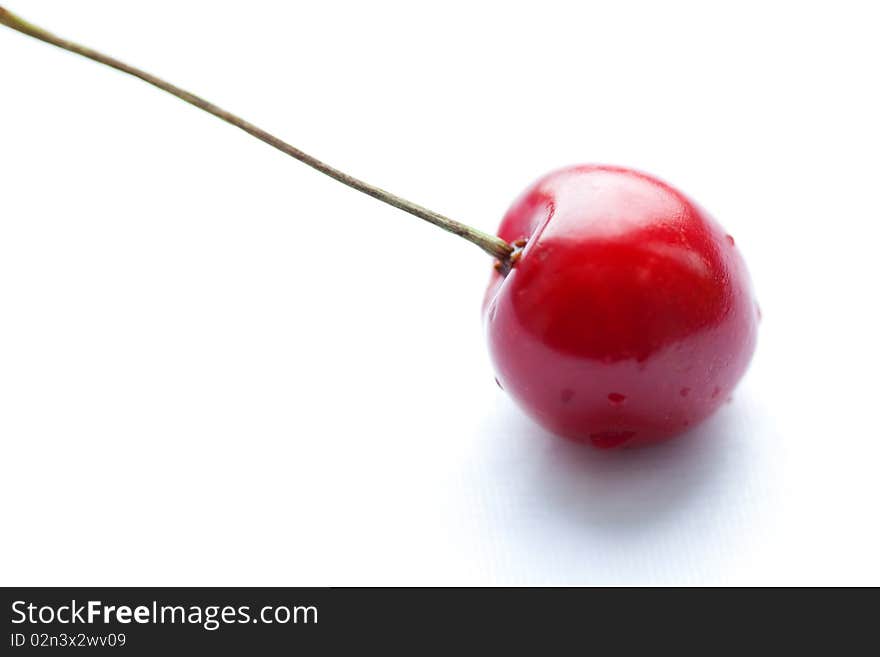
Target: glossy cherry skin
(629, 315)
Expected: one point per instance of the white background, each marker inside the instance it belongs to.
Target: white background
(219, 367)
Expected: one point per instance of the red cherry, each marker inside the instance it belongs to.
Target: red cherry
(620, 313)
(628, 316)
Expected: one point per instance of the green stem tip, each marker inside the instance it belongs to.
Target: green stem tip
(494, 246)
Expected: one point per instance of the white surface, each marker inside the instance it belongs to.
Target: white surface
(219, 367)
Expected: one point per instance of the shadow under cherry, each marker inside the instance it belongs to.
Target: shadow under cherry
(631, 490)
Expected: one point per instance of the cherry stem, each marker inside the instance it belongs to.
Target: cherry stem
(494, 246)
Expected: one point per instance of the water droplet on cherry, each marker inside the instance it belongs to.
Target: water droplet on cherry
(607, 439)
